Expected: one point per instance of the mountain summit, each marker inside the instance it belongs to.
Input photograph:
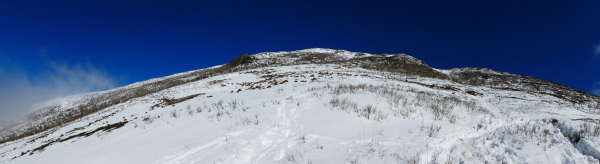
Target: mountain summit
(316, 106)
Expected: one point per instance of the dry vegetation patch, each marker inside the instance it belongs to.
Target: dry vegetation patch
(165, 101)
(106, 128)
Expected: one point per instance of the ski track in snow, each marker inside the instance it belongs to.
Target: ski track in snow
(184, 155)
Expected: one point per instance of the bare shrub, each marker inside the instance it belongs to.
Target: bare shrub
(174, 114)
(276, 102)
(370, 112)
(302, 139)
(443, 108)
(434, 130)
(344, 104)
(402, 103)
(148, 119)
(233, 104)
(453, 118)
(198, 109)
(414, 159)
(367, 111)
(218, 104)
(219, 114)
(590, 129)
(190, 112)
(290, 157)
(256, 122)
(245, 121)
(335, 102)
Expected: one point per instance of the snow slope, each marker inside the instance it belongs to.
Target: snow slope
(323, 113)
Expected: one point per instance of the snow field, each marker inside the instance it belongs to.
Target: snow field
(348, 115)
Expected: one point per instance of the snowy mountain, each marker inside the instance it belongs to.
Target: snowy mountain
(316, 106)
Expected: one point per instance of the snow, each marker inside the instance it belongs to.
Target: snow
(297, 122)
(339, 53)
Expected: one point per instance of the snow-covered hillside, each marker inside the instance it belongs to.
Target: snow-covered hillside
(312, 110)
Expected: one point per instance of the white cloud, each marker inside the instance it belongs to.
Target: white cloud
(19, 89)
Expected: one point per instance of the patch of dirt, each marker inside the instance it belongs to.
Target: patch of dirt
(106, 128)
(173, 101)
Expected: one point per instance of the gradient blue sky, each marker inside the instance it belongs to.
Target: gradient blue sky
(122, 42)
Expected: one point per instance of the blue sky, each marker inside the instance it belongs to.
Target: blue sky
(65, 47)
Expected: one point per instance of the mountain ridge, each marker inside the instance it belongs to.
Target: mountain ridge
(402, 90)
(384, 62)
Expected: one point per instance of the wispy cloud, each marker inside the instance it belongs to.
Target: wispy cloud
(597, 50)
(596, 89)
(20, 89)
